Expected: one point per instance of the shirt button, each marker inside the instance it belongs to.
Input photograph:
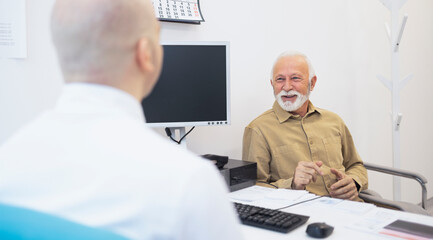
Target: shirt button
(311, 142)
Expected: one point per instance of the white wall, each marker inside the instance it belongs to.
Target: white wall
(345, 40)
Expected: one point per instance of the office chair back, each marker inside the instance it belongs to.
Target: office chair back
(19, 223)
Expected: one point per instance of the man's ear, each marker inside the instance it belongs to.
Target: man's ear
(144, 56)
(313, 83)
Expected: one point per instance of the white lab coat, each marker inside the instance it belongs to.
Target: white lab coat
(93, 160)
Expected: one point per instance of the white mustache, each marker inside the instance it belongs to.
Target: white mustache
(291, 106)
(289, 93)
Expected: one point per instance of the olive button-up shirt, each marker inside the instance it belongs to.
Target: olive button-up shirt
(277, 140)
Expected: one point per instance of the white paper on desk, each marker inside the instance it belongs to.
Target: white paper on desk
(13, 39)
(273, 203)
(346, 206)
(250, 194)
(373, 221)
(269, 197)
(358, 208)
(327, 201)
(286, 194)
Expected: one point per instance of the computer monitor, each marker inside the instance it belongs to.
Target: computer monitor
(193, 88)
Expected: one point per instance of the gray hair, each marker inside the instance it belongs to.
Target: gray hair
(311, 72)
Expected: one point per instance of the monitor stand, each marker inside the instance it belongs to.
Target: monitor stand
(178, 133)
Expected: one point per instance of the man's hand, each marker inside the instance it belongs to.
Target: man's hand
(306, 172)
(344, 188)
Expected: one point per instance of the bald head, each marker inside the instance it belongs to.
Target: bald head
(96, 39)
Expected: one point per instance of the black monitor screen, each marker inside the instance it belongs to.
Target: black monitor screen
(192, 88)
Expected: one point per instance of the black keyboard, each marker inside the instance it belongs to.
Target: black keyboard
(270, 219)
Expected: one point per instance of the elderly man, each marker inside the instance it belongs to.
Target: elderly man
(91, 159)
(299, 146)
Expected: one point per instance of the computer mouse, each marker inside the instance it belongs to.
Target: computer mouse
(319, 230)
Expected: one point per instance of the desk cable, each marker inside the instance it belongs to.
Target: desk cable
(168, 132)
(268, 184)
(291, 204)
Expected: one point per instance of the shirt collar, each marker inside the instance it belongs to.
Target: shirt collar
(283, 115)
(98, 98)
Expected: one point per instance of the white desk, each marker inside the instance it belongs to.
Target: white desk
(351, 220)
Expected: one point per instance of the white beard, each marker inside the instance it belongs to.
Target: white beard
(289, 106)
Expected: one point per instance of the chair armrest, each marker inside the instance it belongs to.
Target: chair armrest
(381, 202)
(370, 192)
(397, 172)
(401, 173)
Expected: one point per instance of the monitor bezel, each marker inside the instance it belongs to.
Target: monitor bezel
(228, 99)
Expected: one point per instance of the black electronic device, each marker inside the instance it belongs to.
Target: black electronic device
(270, 219)
(219, 160)
(319, 230)
(239, 174)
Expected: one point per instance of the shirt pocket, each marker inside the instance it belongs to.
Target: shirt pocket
(284, 161)
(334, 153)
